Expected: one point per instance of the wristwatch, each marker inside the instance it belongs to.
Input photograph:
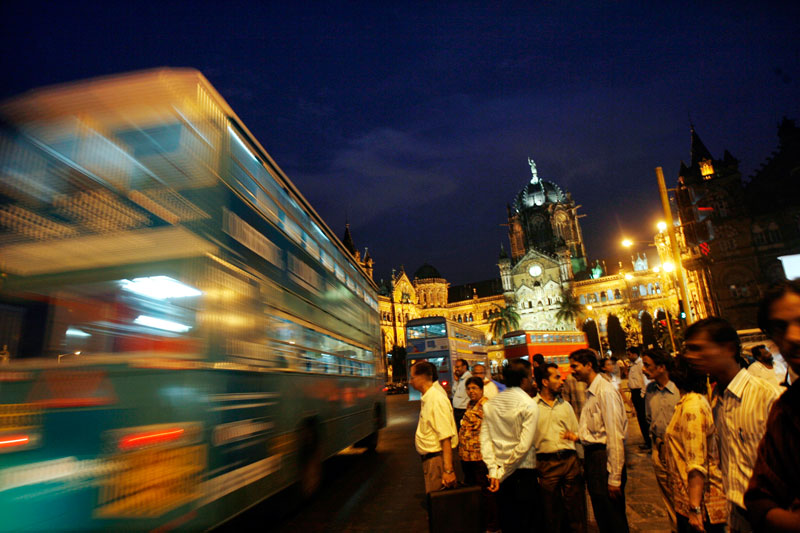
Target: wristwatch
(696, 510)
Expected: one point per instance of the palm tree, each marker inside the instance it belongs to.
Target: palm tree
(502, 320)
(569, 310)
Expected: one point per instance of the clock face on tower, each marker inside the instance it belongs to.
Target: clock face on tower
(535, 271)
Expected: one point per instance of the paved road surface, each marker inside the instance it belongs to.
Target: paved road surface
(384, 491)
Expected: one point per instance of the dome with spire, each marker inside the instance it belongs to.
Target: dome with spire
(538, 192)
(427, 271)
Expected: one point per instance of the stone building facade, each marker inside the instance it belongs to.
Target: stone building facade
(734, 232)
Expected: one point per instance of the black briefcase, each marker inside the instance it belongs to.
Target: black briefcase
(456, 510)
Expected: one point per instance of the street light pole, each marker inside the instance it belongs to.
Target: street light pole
(676, 252)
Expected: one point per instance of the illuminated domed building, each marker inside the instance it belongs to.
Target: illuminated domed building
(547, 252)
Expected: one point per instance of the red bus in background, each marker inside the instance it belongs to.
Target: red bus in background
(555, 346)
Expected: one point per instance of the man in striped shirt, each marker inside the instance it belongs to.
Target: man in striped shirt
(507, 433)
(602, 430)
(741, 404)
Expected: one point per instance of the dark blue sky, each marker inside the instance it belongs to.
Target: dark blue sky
(417, 120)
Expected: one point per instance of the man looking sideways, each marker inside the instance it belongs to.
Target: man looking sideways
(773, 495)
(602, 430)
(560, 478)
(740, 402)
(436, 434)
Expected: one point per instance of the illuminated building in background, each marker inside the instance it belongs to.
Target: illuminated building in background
(547, 253)
(735, 232)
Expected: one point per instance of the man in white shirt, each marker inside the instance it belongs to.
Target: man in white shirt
(637, 382)
(436, 434)
(490, 389)
(602, 430)
(507, 433)
(460, 399)
(764, 366)
(741, 404)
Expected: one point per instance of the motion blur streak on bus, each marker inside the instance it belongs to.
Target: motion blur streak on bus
(442, 342)
(555, 346)
(182, 334)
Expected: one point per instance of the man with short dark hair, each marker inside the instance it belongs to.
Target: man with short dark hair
(740, 402)
(637, 383)
(773, 495)
(602, 430)
(560, 478)
(764, 366)
(436, 434)
(507, 433)
(460, 399)
(660, 398)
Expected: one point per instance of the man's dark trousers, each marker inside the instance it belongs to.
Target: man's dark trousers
(562, 493)
(610, 514)
(641, 415)
(517, 497)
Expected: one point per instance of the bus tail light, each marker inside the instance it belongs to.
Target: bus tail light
(10, 441)
(138, 440)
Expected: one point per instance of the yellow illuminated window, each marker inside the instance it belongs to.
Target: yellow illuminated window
(706, 169)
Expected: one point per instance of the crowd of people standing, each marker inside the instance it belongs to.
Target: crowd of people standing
(724, 439)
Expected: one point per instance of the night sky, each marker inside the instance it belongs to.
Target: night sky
(416, 121)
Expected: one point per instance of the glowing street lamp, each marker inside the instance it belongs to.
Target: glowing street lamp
(662, 226)
(669, 266)
(627, 243)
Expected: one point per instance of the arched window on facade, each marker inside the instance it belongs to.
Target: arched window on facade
(635, 291)
(471, 318)
(617, 294)
(582, 299)
(642, 290)
(603, 297)
(658, 288)
(459, 318)
(649, 288)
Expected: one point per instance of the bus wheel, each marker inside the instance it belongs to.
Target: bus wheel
(310, 459)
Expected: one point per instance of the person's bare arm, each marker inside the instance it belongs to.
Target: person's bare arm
(696, 485)
(449, 475)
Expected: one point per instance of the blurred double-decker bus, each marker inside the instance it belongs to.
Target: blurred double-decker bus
(555, 346)
(441, 341)
(183, 335)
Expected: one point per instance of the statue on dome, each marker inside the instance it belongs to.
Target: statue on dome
(534, 173)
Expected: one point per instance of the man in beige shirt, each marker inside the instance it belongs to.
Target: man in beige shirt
(436, 434)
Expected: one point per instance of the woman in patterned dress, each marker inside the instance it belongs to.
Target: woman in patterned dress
(469, 450)
(694, 474)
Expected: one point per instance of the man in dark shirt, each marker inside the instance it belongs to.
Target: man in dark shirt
(773, 496)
